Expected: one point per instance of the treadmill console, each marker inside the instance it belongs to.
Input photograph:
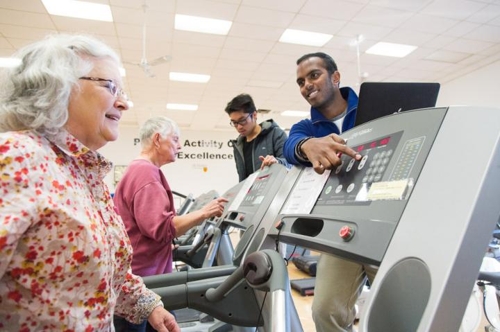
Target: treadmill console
(361, 202)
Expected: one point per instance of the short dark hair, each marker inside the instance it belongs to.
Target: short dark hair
(330, 64)
(242, 102)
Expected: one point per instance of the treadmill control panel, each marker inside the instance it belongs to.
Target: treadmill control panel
(354, 177)
(357, 210)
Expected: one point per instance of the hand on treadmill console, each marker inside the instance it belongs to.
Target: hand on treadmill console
(215, 208)
(325, 152)
(267, 160)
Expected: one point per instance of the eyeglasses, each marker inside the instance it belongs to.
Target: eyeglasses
(242, 122)
(110, 85)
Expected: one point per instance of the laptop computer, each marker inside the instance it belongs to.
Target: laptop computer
(377, 99)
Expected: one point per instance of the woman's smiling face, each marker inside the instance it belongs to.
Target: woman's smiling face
(94, 112)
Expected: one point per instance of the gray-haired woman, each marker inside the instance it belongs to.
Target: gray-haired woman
(65, 252)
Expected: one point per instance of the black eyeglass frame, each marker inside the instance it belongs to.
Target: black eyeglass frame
(241, 122)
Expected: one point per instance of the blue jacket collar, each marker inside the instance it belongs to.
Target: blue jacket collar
(352, 103)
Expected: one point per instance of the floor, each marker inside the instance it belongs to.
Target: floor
(302, 303)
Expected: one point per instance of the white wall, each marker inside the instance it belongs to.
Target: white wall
(479, 88)
(199, 173)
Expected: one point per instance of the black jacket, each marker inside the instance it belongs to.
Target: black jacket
(270, 141)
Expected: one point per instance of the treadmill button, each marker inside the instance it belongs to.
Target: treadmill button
(346, 233)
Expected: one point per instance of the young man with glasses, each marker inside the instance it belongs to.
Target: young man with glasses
(258, 145)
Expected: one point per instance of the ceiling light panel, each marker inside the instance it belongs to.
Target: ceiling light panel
(202, 24)
(186, 77)
(182, 107)
(79, 9)
(391, 49)
(9, 62)
(301, 37)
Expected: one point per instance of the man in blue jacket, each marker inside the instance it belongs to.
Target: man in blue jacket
(258, 145)
(316, 142)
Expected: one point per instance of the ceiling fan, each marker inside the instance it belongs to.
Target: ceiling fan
(144, 63)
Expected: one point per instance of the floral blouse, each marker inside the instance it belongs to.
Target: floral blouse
(64, 253)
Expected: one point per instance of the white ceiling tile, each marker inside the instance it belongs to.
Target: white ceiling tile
(462, 9)
(245, 55)
(408, 5)
(316, 24)
(281, 59)
(253, 31)
(389, 70)
(460, 29)
(489, 33)
(429, 65)
(207, 8)
(180, 50)
(429, 23)
(26, 33)
(266, 17)
(473, 60)
(6, 52)
(196, 38)
(336, 9)
(24, 5)
(387, 17)
(5, 44)
(272, 80)
(152, 18)
(32, 20)
(353, 29)
(226, 73)
(244, 44)
(346, 57)
(237, 65)
(467, 46)
(439, 41)
(495, 21)
(153, 5)
(485, 15)
(152, 33)
(409, 37)
(491, 51)
(447, 56)
(193, 65)
(410, 74)
(281, 5)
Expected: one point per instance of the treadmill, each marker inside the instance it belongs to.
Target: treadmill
(421, 204)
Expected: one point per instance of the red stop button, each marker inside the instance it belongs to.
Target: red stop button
(346, 233)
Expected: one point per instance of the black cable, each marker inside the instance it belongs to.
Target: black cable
(291, 255)
(260, 312)
(279, 227)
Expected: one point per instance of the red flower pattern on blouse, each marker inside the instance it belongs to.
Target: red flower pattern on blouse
(65, 254)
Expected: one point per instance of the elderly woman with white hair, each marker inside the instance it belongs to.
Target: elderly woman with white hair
(65, 253)
(145, 202)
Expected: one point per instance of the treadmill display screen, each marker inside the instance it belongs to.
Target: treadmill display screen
(349, 182)
(257, 191)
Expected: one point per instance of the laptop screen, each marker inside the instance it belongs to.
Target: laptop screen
(377, 99)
